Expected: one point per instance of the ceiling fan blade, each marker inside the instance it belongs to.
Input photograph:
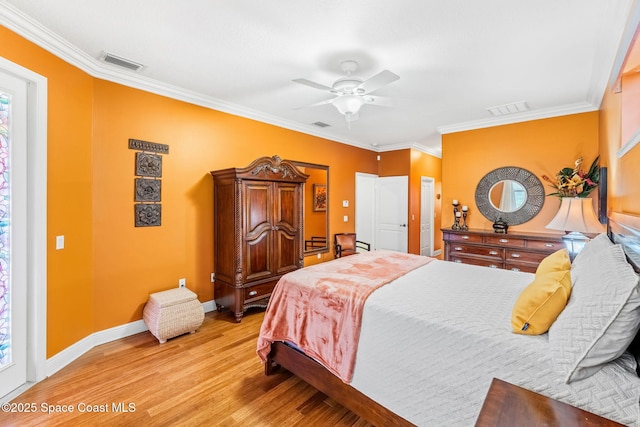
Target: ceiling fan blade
(313, 84)
(328, 101)
(381, 79)
(381, 101)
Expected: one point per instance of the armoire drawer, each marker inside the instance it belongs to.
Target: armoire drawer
(258, 291)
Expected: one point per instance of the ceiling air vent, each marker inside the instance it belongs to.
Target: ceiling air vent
(321, 124)
(505, 109)
(121, 62)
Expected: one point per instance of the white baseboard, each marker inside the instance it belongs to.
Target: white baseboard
(437, 252)
(71, 353)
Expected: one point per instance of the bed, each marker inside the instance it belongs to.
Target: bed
(430, 341)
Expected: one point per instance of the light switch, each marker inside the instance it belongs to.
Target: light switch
(346, 218)
(345, 203)
(59, 242)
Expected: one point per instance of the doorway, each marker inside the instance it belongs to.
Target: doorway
(382, 211)
(23, 111)
(427, 194)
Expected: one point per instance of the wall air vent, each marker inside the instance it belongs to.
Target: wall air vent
(321, 124)
(120, 62)
(505, 109)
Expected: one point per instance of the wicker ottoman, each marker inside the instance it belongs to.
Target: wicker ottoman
(172, 313)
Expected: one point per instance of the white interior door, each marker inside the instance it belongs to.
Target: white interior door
(426, 215)
(392, 212)
(366, 207)
(13, 232)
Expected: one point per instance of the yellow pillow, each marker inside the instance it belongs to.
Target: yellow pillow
(540, 303)
(558, 260)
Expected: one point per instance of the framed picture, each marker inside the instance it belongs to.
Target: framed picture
(319, 197)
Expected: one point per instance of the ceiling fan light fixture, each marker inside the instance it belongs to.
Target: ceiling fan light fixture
(348, 104)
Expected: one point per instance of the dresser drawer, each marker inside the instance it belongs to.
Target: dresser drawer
(258, 291)
(505, 240)
(521, 266)
(517, 255)
(492, 263)
(457, 248)
(545, 246)
(455, 237)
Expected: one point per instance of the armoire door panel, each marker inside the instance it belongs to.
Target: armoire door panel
(287, 206)
(258, 262)
(258, 203)
(286, 253)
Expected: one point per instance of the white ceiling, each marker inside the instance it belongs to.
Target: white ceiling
(455, 58)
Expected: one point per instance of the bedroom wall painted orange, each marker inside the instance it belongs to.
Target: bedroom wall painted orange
(541, 146)
(69, 191)
(150, 259)
(104, 275)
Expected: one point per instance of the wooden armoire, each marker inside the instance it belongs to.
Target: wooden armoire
(258, 231)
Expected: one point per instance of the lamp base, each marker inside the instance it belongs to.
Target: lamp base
(574, 242)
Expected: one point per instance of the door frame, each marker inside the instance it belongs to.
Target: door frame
(428, 215)
(36, 221)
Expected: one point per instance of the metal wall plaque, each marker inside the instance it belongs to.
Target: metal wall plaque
(136, 144)
(148, 165)
(148, 215)
(148, 190)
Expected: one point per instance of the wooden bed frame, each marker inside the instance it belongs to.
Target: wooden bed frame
(622, 228)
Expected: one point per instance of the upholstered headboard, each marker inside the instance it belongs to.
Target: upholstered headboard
(624, 229)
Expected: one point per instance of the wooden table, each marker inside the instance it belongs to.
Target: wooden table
(510, 405)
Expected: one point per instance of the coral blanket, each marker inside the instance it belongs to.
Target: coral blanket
(319, 308)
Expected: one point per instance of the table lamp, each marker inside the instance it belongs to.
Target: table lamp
(576, 216)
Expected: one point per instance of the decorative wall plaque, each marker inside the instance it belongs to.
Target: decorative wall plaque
(148, 215)
(147, 190)
(148, 165)
(136, 144)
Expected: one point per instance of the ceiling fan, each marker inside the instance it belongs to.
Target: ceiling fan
(353, 92)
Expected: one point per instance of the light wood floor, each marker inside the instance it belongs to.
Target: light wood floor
(212, 377)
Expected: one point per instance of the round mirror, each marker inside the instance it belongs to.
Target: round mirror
(511, 194)
(507, 195)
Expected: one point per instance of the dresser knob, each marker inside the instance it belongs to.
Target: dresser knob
(515, 269)
(515, 255)
(458, 261)
(253, 293)
(549, 245)
(465, 237)
(457, 248)
(493, 253)
(493, 266)
(504, 240)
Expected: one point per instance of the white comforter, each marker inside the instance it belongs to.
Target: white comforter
(430, 346)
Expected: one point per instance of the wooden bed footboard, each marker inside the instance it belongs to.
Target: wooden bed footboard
(317, 376)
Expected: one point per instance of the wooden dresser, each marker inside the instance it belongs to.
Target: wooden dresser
(258, 231)
(518, 251)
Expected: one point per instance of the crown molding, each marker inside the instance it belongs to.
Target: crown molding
(582, 107)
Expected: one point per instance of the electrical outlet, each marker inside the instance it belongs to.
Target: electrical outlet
(182, 283)
(213, 277)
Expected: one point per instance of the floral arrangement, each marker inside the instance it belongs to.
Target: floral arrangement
(575, 182)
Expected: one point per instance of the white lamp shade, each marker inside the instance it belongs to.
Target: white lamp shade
(576, 214)
(348, 104)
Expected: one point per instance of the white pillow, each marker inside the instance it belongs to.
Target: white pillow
(589, 253)
(601, 318)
